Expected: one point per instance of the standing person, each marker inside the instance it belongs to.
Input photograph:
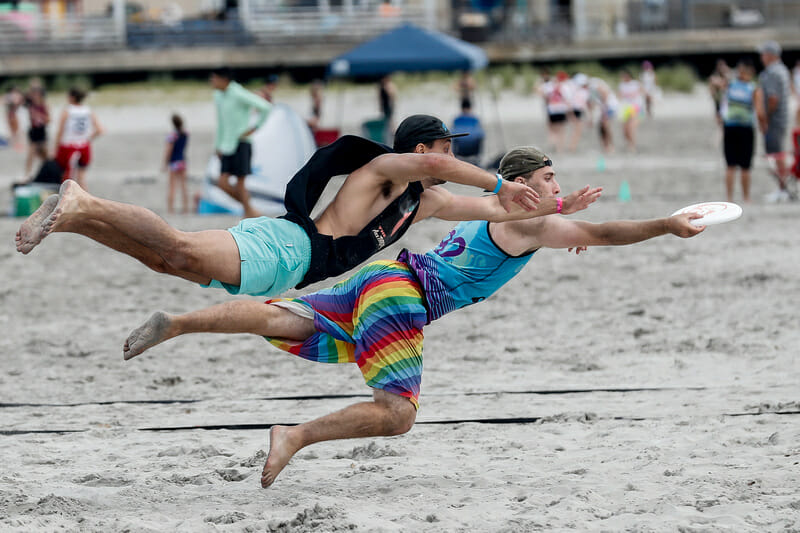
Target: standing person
(175, 164)
(269, 88)
(376, 317)
(796, 82)
(649, 85)
(234, 105)
(773, 113)
(316, 93)
(12, 101)
(796, 146)
(77, 128)
(738, 118)
(38, 118)
(556, 94)
(382, 195)
(631, 99)
(717, 83)
(601, 95)
(387, 96)
(465, 87)
(579, 101)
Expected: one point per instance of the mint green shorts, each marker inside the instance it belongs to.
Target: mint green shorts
(275, 255)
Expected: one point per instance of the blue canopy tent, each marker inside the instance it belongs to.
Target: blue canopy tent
(408, 48)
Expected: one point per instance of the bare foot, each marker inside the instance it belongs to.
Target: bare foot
(281, 450)
(155, 331)
(31, 232)
(70, 197)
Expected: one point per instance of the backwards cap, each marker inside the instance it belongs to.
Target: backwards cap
(522, 160)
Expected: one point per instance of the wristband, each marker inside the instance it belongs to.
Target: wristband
(499, 184)
(559, 204)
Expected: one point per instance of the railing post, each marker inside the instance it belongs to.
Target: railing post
(118, 14)
(430, 14)
(244, 13)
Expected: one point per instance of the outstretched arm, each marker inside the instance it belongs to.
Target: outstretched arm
(405, 168)
(440, 203)
(563, 233)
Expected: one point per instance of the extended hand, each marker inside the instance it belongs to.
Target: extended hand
(580, 200)
(681, 225)
(512, 192)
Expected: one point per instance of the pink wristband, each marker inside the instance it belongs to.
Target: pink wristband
(559, 204)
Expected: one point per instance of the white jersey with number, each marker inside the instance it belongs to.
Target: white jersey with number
(78, 126)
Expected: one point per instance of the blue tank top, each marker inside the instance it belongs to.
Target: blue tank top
(178, 141)
(737, 108)
(466, 268)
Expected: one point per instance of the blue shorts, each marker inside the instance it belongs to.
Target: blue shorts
(275, 255)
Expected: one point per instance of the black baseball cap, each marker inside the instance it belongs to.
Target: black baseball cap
(420, 129)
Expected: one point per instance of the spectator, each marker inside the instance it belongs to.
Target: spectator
(717, 83)
(77, 128)
(649, 85)
(175, 164)
(773, 113)
(468, 148)
(465, 86)
(737, 111)
(39, 118)
(234, 105)
(269, 88)
(12, 100)
(631, 99)
(316, 91)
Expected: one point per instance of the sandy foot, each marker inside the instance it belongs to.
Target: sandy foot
(69, 206)
(281, 451)
(31, 232)
(152, 332)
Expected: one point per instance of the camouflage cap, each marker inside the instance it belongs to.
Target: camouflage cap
(522, 160)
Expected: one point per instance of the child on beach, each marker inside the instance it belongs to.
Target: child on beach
(175, 164)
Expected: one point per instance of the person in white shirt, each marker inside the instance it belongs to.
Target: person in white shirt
(77, 128)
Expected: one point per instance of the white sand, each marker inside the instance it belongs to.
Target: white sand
(708, 327)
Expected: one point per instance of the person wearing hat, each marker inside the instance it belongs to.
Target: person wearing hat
(384, 193)
(376, 317)
(773, 112)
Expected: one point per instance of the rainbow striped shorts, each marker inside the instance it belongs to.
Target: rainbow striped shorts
(373, 319)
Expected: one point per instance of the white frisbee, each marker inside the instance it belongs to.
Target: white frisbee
(712, 212)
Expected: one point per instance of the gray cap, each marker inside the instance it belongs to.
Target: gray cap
(770, 47)
(522, 160)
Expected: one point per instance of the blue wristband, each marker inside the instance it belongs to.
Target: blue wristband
(499, 184)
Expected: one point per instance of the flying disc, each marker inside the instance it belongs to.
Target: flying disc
(712, 212)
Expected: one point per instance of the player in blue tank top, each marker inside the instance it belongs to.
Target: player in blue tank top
(471, 263)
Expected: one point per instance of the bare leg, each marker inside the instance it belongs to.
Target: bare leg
(184, 190)
(171, 192)
(80, 177)
(197, 256)
(224, 184)
(746, 185)
(388, 414)
(240, 316)
(730, 174)
(244, 194)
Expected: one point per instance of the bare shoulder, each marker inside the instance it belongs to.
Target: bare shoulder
(431, 201)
